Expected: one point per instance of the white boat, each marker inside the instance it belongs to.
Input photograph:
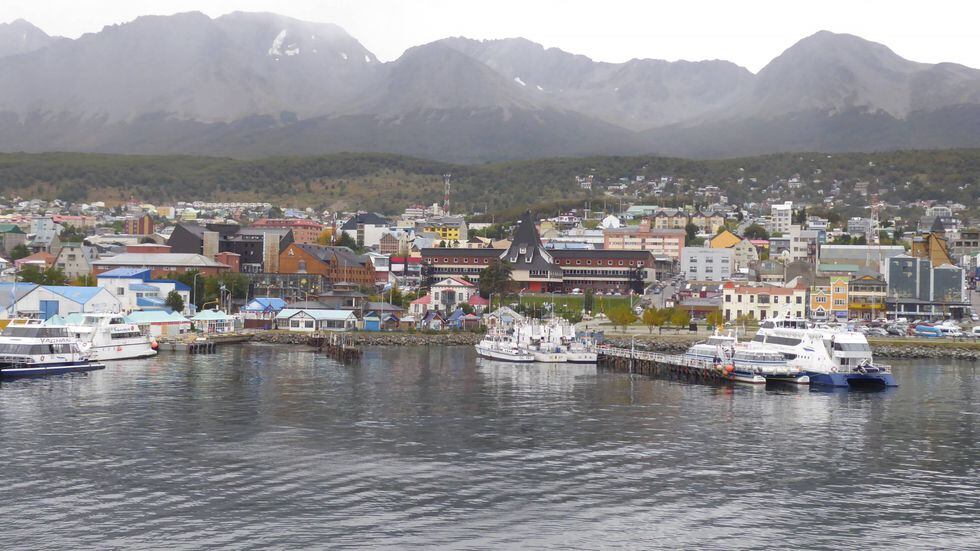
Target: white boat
(502, 347)
(829, 356)
(111, 337)
(33, 349)
(756, 365)
(555, 341)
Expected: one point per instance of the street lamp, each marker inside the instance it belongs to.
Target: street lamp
(194, 290)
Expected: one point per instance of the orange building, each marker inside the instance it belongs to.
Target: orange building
(337, 264)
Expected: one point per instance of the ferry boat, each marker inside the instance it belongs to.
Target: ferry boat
(829, 356)
(744, 364)
(111, 337)
(502, 347)
(32, 349)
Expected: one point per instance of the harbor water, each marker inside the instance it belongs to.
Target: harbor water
(260, 447)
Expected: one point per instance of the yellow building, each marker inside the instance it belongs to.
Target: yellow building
(866, 295)
(724, 240)
(829, 298)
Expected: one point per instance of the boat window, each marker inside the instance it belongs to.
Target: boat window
(759, 337)
(852, 347)
(784, 341)
(35, 332)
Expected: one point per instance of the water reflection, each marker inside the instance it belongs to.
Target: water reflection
(264, 446)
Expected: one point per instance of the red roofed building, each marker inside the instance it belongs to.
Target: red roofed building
(304, 231)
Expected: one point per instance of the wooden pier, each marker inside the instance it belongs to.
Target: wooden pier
(339, 346)
(671, 366)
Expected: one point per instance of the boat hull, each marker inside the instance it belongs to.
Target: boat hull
(126, 351)
(791, 379)
(503, 355)
(847, 380)
(582, 358)
(40, 370)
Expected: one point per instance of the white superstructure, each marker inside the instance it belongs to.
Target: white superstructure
(111, 337)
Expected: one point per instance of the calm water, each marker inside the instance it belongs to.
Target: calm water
(260, 447)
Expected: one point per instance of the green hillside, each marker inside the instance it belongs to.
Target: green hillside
(388, 183)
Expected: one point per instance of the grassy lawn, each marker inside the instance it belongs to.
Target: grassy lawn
(570, 303)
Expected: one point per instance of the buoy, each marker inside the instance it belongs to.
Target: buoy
(154, 344)
(729, 368)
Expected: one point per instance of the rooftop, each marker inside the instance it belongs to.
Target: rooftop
(160, 259)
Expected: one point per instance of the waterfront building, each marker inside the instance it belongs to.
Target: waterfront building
(137, 289)
(310, 320)
(866, 295)
(918, 290)
(46, 301)
(761, 301)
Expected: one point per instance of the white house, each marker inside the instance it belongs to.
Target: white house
(53, 300)
(316, 320)
(161, 323)
(446, 296)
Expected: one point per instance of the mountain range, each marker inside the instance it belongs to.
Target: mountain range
(254, 84)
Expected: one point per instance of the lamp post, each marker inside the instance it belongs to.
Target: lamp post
(194, 290)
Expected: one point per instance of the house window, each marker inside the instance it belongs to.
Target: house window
(301, 266)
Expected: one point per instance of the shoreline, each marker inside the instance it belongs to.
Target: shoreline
(677, 343)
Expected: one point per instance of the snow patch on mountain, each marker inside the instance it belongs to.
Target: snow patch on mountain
(276, 48)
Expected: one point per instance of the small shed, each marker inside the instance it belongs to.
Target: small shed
(390, 322)
(372, 322)
(213, 321)
(161, 323)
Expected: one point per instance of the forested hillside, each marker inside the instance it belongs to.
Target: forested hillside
(388, 183)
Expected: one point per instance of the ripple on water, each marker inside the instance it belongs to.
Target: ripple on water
(260, 447)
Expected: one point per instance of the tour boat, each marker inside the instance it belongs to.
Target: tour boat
(743, 364)
(829, 356)
(32, 349)
(111, 337)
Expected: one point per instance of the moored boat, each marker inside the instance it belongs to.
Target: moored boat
(31, 350)
(112, 337)
(828, 356)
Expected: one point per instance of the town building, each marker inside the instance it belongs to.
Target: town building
(303, 230)
(966, 243)
(44, 234)
(365, 228)
(258, 248)
(707, 264)
(659, 242)
(335, 264)
(310, 320)
(451, 229)
(829, 298)
(761, 301)
(918, 290)
(160, 264)
(744, 251)
(46, 301)
(710, 222)
(781, 217)
(867, 291)
(538, 269)
(136, 289)
(669, 218)
(75, 259)
(851, 258)
(139, 225)
(12, 236)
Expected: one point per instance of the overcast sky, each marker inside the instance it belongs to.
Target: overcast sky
(748, 32)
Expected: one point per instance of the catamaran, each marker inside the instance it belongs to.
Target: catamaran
(829, 356)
